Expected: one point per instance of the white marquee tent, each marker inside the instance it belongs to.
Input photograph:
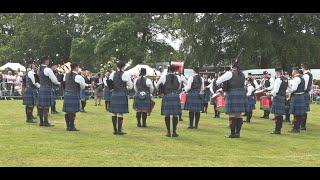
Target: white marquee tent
(136, 70)
(13, 66)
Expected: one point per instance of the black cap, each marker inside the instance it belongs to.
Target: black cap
(305, 66)
(278, 69)
(120, 64)
(295, 69)
(196, 69)
(265, 72)
(44, 58)
(143, 71)
(300, 71)
(249, 74)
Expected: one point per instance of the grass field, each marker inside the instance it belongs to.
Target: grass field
(25, 144)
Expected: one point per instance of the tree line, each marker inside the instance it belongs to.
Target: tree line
(208, 39)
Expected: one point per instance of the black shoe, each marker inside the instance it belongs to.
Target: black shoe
(168, 135)
(41, 124)
(294, 131)
(34, 117)
(138, 125)
(196, 127)
(115, 133)
(121, 133)
(74, 129)
(144, 125)
(263, 117)
(303, 129)
(48, 125)
(237, 136)
(31, 121)
(190, 127)
(230, 136)
(175, 135)
(181, 119)
(275, 132)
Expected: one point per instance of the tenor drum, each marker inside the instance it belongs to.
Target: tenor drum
(183, 99)
(260, 94)
(220, 102)
(265, 103)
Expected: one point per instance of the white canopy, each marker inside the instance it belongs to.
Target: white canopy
(13, 66)
(136, 70)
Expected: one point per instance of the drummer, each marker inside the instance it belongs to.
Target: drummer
(184, 83)
(267, 85)
(214, 90)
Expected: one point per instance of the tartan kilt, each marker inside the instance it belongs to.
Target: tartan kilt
(193, 103)
(171, 105)
(307, 99)
(54, 95)
(251, 103)
(278, 106)
(298, 105)
(71, 102)
(30, 97)
(45, 96)
(207, 94)
(106, 94)
(236, 101)
(84, 94)
(142, 104)
(119, 102)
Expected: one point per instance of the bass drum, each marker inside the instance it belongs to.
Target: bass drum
(220, 102)
(265, 103)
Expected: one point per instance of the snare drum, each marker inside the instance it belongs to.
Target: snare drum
(183, 99)
(220, 102)
(259, 95)
(265, 103)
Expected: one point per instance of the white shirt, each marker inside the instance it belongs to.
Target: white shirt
(271, 80)
(190, 81)
(225, 77)
(306, 79)
(184, 80)
(48, 72)
(276, 86)
(31, 74)
(80, 80)
(255, 84)
(294, 83)
(105, 81)
(162, 80)
(125, 77)
(250, 89)
(148, 82)
(10, 78)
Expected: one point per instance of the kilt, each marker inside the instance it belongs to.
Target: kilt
(170, 104)
(298, 105)
(45, 96)
(54, 95)
(30, 97)
(193, 103)
(307, 99)
(71, 102)
(106, 94)
(251, 103)
(207, 94)
(142, 104)
(236, 101)
(119, 102)
(84, 94)
(278, 106)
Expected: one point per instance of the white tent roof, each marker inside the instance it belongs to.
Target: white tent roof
(136, 70)
(13, 66)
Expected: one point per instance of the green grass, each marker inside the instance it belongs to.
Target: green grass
(25, 144)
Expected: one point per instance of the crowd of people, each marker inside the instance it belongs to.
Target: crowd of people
(12, 81)
(228, 91)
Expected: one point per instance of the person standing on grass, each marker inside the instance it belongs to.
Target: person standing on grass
(71, 103)
(142, 99)
(170, 105)
(194, 103)
(251, 99)
(278, 107)
(84, 93)
(119, 97)
(55, 89)
(308, 78)
(183, 84)
(298, 103)
(30, 96)
(236, 99)
(106, 90)
(207, 95)
(214, 89)
(287, 116)
(98, 83)
(47, 79)
(266, 84)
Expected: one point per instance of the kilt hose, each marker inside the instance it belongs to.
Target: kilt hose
(298, 105)
(193, 103)
(84, 94)
(106, 94)
(142, 105)
(71, 102)
(119, 103)
(236, 101)
(30, 97)
(171, 105)
(251, 103)
(45, 95)
(278, 106)
(307, 99)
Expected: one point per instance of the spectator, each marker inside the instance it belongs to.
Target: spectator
(19, 72)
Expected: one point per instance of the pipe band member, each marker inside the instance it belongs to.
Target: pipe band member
(298, 103)
(278, 107)
(214, 90)
(55, 88)
(47, 79)
(106, 90)
(119, 98)
(71, 104)
(266, 84)
(84, 93)
(288, 99)
(207, 95)
(170, 105)
(184, 83)
(251, 98)
(142, 100)
(30, 96)
(194, 103)
(308, 78)
(236, 98)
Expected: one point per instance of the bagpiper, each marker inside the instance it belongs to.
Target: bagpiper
(71, 104)
(298, 103)
(47, 79)
(55, 89)
(84, 93)
(308, 78)
(170, 105)
(195, 97)
(106, 90)
(30, 96)
(236, 99)
(183, 85)
(142, 100)
(278, 107)
(119, 97)
(207, 95)
(251, 105)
